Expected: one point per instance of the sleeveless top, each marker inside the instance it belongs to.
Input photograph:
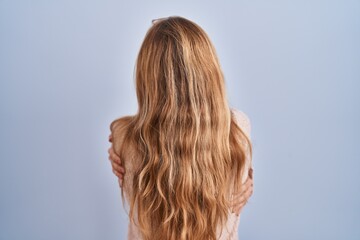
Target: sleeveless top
(230, 229)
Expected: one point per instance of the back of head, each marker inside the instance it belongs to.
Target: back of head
(184, 133)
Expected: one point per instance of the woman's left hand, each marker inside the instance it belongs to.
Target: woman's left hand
(241, 198)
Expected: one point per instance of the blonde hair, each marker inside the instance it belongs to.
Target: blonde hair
(191, 148)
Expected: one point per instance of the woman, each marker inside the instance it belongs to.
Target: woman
(187, 154)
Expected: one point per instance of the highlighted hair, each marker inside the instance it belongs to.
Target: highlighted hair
(189, 147)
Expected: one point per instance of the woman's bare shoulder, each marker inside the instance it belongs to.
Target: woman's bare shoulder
(118, 129)
(242, 120)
(121, 122)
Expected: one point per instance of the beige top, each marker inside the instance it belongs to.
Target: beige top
(230, 230)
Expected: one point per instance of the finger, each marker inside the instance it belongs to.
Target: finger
(235, 205)
(118, 174)
(114, 157)
(248, 183)
(244, 197)
(109, 150)
(120, 181)
(239, 208)
(118, 167)
(238, 211)
(242, 200)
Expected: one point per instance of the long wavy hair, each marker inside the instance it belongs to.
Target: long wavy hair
(190, 148)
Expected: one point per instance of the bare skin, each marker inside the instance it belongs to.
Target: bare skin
(239, 199)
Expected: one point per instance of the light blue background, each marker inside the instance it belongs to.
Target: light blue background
(66, 71)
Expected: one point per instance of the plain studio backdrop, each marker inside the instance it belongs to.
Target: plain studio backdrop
(66, 71)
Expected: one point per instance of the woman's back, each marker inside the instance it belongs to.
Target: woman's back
(185, 148)
(132, 162)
